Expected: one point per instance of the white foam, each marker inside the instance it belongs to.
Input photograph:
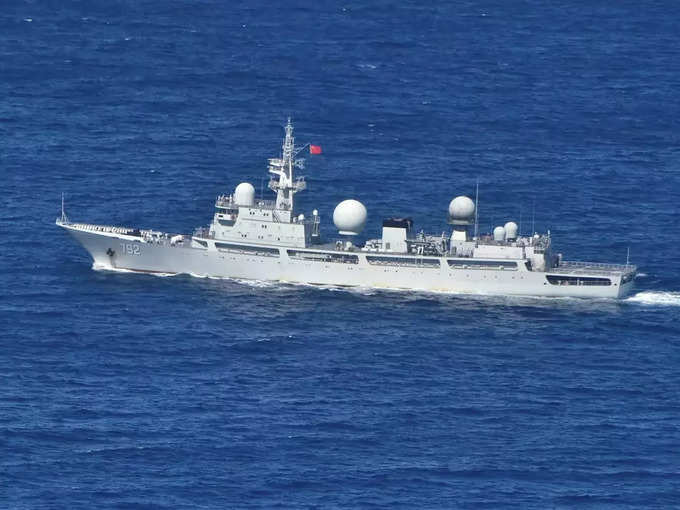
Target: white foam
(255, 283)
(647, 297)
(103, 267)
(242, 281)
(656, 298)
(196, 275)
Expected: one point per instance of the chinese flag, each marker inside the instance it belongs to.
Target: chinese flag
(314, 149)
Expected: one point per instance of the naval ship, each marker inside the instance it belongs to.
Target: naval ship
(258, 239)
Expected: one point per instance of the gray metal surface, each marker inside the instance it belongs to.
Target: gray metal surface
(266, 240)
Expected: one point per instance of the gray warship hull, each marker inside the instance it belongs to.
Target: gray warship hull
(260, 239)
(123, 249)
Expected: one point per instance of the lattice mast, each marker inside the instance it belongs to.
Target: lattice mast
(284, 168)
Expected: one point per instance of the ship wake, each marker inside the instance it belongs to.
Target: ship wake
(663, 298)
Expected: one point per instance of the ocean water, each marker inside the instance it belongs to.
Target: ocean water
(136, 391)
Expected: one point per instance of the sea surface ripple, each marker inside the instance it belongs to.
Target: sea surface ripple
(135, 391)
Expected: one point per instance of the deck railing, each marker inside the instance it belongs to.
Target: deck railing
(573, 267)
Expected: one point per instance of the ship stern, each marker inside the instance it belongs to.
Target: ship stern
(627, 282)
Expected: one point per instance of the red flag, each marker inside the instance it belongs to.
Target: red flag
(314, 149)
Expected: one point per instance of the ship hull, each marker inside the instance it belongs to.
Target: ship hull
(122, 252)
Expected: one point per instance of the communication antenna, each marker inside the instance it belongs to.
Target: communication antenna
(533, 216)
(63, 211)
(477, 210)
(627, 257)
(520, 222)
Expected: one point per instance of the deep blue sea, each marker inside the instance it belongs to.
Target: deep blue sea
(137, 391)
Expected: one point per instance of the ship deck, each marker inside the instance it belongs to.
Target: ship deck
(592, 268)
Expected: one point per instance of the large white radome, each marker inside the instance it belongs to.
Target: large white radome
(349, 217)
(461, 209)
(244, 194)
(510, 230)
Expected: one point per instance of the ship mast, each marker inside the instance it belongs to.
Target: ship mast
(286, 185)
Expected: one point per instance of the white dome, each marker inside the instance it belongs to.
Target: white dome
(349, 217)
(511, 230)
(499, 234)
(462, 209)
(244, 194)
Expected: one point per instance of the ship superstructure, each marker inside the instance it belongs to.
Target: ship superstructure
(261, 239)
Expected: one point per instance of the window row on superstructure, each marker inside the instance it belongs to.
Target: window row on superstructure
(577, 280)
(403, 261)
(248, 250)
(493, 265)
(342, 258)
(379, 260)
